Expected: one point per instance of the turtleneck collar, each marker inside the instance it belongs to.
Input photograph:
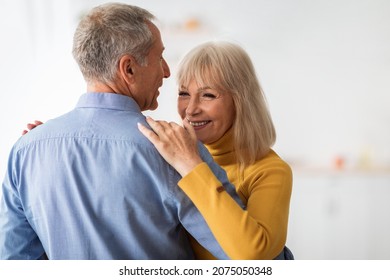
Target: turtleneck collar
(222, 150)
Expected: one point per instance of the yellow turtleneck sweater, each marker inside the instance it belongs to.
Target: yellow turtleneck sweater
(260, 231)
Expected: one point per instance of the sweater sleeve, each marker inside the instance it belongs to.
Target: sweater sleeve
(260, 230)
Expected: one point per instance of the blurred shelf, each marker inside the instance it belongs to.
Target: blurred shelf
(303, 169)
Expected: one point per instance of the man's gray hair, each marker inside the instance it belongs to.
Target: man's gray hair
(108, 32)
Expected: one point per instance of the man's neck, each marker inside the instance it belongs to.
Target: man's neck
(96, 86)
(100, 87)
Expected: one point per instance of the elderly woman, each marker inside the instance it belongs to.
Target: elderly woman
(221, 103)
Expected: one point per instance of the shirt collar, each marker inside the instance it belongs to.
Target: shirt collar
(108, 101)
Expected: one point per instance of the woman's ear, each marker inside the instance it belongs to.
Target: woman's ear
(126, 68)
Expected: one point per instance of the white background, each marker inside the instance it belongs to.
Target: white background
(325, 69)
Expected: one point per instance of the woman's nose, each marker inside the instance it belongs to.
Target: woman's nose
(193, 107)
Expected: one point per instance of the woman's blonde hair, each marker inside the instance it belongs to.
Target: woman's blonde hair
(228, 68)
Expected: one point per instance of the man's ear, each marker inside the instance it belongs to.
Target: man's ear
(127, 64)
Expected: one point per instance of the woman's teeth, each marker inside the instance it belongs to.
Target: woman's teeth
(195, 124)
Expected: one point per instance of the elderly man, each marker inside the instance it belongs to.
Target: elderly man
(88, 185)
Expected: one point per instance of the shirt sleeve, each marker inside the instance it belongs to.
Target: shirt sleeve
(258, 232)
(194, 223)
(17, 238)
(192, 219)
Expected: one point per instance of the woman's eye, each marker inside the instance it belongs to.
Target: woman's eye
(183, 94)
(208, 96)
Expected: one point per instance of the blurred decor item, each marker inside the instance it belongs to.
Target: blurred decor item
(339, 162)
(192, 24)
(365, 160)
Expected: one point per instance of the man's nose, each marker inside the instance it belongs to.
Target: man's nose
(167, 71)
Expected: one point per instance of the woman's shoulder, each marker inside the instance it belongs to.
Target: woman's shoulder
(269, 164)
(270, 170)
(273, 159)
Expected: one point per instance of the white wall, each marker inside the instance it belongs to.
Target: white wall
(324, 66)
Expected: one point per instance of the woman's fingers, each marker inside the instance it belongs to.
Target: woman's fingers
(158, 126)
(190, 129)
(152, 137)
(163, 129)
(31, 126)
(34, 125)
(158, 132)
(174, 143)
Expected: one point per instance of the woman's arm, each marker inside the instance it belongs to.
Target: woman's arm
(260, 231)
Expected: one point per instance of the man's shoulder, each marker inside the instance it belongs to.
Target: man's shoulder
(89, 125)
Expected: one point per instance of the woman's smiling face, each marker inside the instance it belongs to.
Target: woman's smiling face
(209, 111)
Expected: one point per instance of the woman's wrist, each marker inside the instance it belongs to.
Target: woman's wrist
(186, 167)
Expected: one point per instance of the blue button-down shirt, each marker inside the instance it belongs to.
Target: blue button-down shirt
(88, 185)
